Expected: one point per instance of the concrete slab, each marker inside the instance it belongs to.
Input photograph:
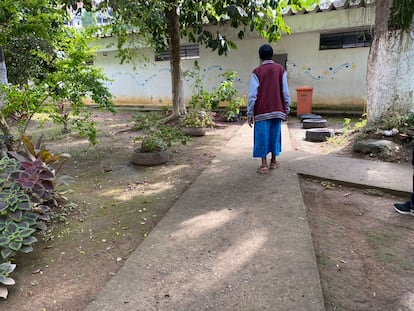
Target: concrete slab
(366, 173)
(235, 240)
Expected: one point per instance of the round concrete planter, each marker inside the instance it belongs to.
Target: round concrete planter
(194, 131)
(308, 116)
(318, 135)
(150, 158)
(314, 123)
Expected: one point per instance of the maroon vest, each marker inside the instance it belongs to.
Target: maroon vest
(270, 93)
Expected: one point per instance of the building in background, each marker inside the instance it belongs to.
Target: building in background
(327, 49)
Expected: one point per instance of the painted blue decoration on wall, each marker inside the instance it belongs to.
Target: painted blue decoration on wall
(326, 74)
(212, 72)
(136, 77)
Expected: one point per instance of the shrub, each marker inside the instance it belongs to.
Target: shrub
(158, 137)
(227, 93)
(201, 97)
(408, 120)
(27, 184)
(197, 118)
(17, 221)
(5, 269)
(153, 143)
(145, 121)
(35, 174)
(16, 237)
(390, 119)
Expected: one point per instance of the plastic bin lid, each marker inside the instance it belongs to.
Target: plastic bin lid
(304, 88)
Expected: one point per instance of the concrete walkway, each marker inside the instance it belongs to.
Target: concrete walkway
(237, 240)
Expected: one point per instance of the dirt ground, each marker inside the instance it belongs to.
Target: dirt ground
(363, 247)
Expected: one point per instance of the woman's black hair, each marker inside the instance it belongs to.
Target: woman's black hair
(266, 52)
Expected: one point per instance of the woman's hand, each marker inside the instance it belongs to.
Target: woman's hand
(250, 120)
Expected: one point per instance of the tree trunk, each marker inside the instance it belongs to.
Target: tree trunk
(4, 127)
(390, 83)
(175, 62)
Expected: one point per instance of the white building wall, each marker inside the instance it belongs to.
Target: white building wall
(148, 84)
(337, 76)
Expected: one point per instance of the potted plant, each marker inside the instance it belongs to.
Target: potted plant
(156, 141)
(196, 121)
(153, 151)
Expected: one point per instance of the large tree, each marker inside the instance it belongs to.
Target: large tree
(390, 77)
(37, 46)
(162, 24)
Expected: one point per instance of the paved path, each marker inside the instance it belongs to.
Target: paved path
(237, 240)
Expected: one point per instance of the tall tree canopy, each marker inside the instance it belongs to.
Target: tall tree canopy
(37, 46)
(163, 23)
(28, 27)
(390, 64)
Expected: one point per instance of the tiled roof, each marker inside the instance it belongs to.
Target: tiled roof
(330, 5)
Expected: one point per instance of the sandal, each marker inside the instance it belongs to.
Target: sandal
(263, 170)
(274, 165)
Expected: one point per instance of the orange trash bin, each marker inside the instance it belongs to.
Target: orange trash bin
(304, 100)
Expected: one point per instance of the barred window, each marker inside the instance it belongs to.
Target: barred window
(186, 52)
(344, 40)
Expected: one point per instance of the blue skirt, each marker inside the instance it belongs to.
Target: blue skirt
(267, 138)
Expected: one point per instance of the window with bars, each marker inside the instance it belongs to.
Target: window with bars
(344, 40)
(186, 52)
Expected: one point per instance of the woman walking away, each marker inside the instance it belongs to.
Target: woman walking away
(268, 106)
